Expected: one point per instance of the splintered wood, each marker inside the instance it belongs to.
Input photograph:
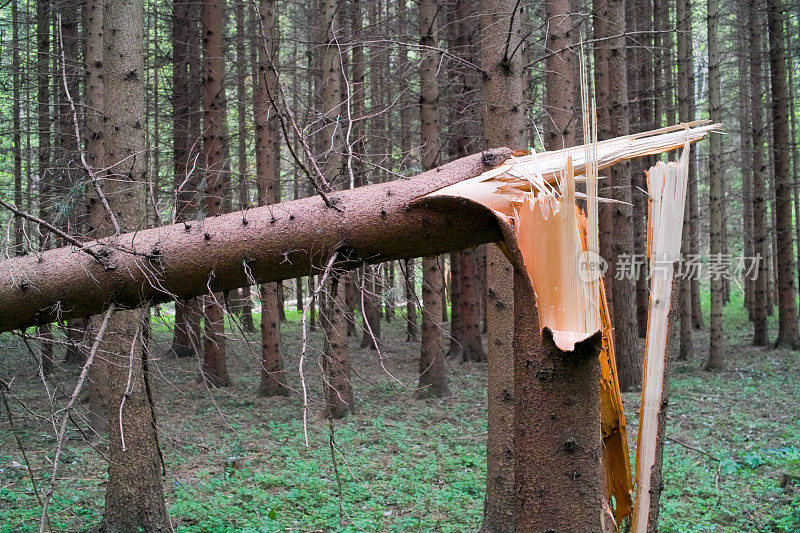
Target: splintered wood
(535, 195)
(666, 185)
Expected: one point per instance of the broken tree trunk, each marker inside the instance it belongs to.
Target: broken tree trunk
(269, 243)
(667, 185)
(374, 224)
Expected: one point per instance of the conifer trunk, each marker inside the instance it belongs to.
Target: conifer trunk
(788, 335)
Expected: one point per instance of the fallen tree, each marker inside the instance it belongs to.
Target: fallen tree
(525, 203)
(368, 224)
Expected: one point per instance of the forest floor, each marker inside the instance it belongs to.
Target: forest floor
(238, 462)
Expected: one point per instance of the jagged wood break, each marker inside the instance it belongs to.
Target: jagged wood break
(534, 199)
(666, 186)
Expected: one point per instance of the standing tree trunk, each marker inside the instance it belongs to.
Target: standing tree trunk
(432, 379)
(644, 97)
(788, 335)
(504, 125)
(336, 360)
(685, 66)
(134, 496)
(715, 359)
(745, 144)
(465, 295)
(215, 366)
(245, 304)
(405, 150)
(759, 178)
(559, 106)
(186, 332)
(16, 125)
(612, 103)
(45, 332)
(273, 378)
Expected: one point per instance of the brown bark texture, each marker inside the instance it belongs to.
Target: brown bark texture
(273, 379)
(214, 369)
(759, 169)
(788, 333)
(716, 193)
(336, 361)
(376, 223)
(134, 495)
(612, 104)
(504, 123)
(432, 377)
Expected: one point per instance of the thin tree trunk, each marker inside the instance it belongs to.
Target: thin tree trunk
(245, 303)
(685, 66)
(788, 335)
(411, 299)
(745, 147)
(187, 329)
(336, 359)
(432, 379)
(273, 378)
(692, 193)
(469, 308)
(716, 346)
(456, 350)
(336, 362)
(45, 333)
(645, 97)
(214, 367)
(134, 495)
(465, 302)
(795, 151)
(613, 98)
(504, 124)
(16, 125)
(759, 177)
(372, 318)
(405, 149)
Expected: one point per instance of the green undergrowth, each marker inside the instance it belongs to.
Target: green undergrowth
(239, 462)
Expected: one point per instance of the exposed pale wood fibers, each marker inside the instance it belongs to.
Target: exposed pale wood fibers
(666, 184)
(535, 194)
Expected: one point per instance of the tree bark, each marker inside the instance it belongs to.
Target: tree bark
(685, 65)
(214, 369)
(433, 381)
(377, 222)
(465, 296)
(562, 118)
(559, 482)
(186, 332)
(372, 316)
(43, 126)
(612, 98)
(432, 377)
(788, 335)
(273, 378)
(504, 123)
(244, 306)
(336, 361)
(716, 346)
(16, 125)
(134, 496)
(760, 335)
(746, 146)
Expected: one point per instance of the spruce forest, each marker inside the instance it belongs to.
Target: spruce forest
(399, 265)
